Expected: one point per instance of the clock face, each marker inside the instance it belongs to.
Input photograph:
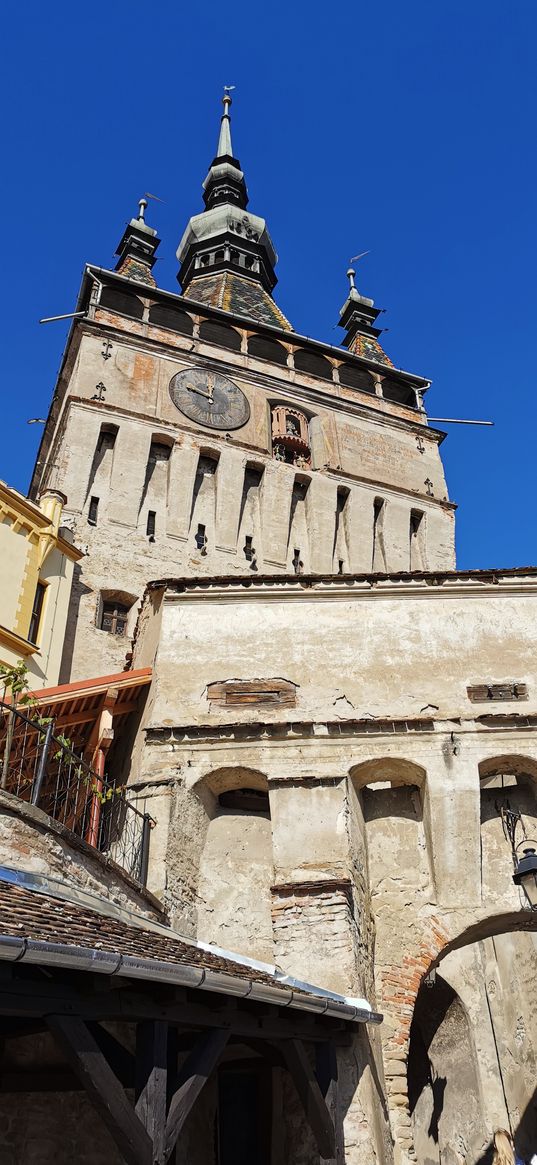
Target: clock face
(209, 398)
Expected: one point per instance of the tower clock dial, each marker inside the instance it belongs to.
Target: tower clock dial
(209, 399)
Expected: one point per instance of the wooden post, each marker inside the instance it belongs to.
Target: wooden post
(193, 1075)
(151, 1082)
(318, 1116)
(326, 1071)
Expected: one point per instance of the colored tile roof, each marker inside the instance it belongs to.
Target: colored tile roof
(369, 348)
(238, 295)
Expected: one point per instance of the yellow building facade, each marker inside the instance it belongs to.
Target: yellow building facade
(37, 561)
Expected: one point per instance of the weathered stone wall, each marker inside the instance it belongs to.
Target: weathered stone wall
(385, 836)
(118, 377)
(33, 842)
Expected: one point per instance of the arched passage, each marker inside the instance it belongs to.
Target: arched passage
(443, 1084)
(235, 863)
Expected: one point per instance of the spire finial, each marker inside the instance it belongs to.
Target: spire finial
(350, 276)
(225, 148)
(142, 204)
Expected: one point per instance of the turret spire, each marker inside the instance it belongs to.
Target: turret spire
(137, 247)
(358, 317)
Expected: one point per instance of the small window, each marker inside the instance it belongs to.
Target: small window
(107, 438)
(37, 611)
(151, 524)
(245, 800)
(159, 451)
(399, 392)
(114, 618)
(93, 511)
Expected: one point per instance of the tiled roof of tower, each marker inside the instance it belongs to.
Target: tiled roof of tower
(234, 293)
(369, 348)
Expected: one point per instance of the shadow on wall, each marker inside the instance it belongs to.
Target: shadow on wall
(79, 590)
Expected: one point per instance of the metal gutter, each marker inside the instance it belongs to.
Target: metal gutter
(91, 959)
(48, 954)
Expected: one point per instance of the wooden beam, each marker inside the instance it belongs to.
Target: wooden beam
(103, 1088)
(33, 997)
(151, 1082)
(193, 1076)
(120, 1060)
(326, 1071)
(311, 1097)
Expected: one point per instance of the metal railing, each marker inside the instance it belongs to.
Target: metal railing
(39, 767)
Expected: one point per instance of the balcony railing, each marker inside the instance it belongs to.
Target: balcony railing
(39, 767)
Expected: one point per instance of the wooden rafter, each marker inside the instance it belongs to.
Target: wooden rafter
(103, 1088)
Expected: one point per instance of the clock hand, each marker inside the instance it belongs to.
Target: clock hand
(199, 391)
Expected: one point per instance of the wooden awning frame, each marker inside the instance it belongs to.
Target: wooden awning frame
(73, 1008)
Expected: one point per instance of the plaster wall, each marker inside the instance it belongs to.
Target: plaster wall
(377, 651)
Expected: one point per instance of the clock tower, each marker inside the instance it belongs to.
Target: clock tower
(197, 434)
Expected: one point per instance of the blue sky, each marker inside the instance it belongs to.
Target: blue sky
(406, 129)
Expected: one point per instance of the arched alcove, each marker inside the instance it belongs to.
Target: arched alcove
(508, 785)
(390, 793)
(355, 377)
(313, 363)
(216, 333)
(164, 316)
(121, 301)
(265, 348)
(235, 862)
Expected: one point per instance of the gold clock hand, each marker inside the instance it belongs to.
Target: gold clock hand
(199, 391)
(210, 384)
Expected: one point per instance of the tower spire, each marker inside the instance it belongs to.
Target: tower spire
(224, 148)
(226, 255)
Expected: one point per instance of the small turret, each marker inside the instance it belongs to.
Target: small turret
(137, 248)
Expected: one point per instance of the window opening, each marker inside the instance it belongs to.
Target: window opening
(416, 539)
(290, 437)
(37, 611)
(92, 513)
(106, 440)
(340, 566)
(249, 551)
(313, 363)
(379, 560)
(298, 565)
(200, 538)
(151, 524)
(114, 618)
(246, 800)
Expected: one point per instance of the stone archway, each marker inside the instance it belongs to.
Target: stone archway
(400, 987)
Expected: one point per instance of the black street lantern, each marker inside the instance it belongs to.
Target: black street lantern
(525, 875)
